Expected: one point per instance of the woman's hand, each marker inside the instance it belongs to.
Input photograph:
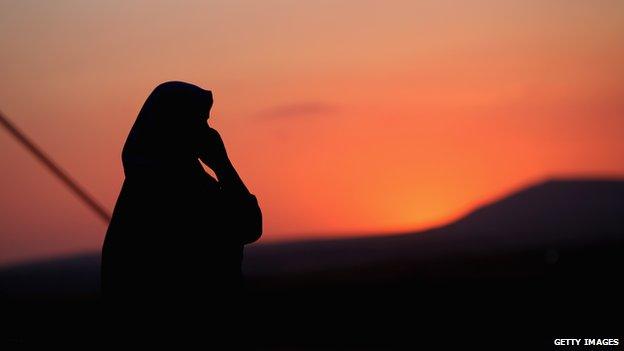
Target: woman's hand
(212, 153)
(212, 149)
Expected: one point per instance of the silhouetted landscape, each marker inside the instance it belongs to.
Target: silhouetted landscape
(555, 242)
(547, 231)
(541, 249)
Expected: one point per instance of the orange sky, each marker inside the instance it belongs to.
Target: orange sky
(342, 116)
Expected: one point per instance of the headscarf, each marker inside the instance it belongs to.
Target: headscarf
(166, 131)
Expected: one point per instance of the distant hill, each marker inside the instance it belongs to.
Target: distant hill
(574, 224)
(556, 212)
(549, 216)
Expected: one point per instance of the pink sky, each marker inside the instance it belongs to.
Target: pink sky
(343, 117)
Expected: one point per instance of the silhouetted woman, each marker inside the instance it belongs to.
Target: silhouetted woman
(176, 232)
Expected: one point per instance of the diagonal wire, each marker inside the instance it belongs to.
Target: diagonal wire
(55, 169)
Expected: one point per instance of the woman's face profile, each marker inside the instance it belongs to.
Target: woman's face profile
(210, 102)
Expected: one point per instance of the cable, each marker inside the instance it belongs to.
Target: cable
(87, 199)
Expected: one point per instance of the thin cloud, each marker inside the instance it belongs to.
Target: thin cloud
(311, 108)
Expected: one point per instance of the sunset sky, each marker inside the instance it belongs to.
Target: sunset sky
(344, 117)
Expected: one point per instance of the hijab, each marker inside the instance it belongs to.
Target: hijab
(165, 134)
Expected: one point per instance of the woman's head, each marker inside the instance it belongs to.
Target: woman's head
(168, 127)
(181, 99)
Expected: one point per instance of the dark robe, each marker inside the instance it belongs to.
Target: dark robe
(175, 232)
